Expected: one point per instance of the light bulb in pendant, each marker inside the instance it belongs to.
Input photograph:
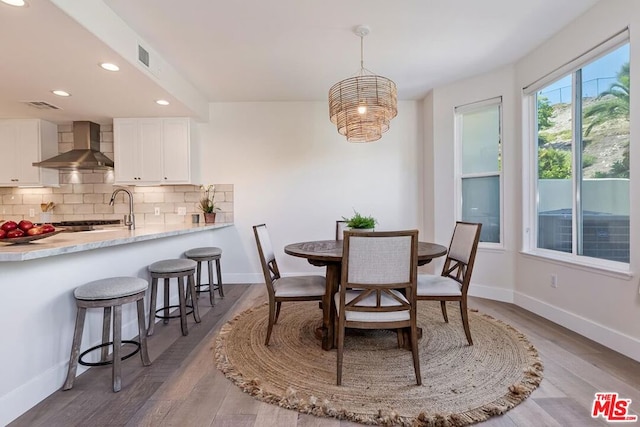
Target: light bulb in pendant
(362, 109)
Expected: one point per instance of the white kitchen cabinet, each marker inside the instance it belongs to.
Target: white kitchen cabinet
(23, 142)
(154, 151)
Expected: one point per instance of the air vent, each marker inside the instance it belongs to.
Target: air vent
(42, 105)
(143, 55)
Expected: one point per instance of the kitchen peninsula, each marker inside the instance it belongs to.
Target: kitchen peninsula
(37, 308)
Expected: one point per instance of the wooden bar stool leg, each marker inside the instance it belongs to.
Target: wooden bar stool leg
(144, 354)
(192, 286)
(219, 274)
(75, 348)
(117, 347)
(183, 309)
(106, 324)
(199, 282)
(166, 301)
(152, 305)
(210, 265)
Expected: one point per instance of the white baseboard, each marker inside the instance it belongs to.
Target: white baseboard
(601, 334)
(491, 292)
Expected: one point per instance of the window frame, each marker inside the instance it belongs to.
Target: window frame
(530, 161)
(459, 111)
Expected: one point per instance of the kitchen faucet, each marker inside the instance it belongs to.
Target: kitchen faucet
(129, 220)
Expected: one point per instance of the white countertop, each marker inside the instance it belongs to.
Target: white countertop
(64, 243)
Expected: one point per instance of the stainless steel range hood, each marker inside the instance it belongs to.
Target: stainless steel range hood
(86, 151)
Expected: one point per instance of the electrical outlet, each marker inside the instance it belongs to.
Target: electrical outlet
(554, 281)
(182, 211)
(156, 211)
(32, 213)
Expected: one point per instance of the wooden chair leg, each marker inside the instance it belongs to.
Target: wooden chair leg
(116, 372)
(152, 306)
(340, 353)
(414, 352)
(278, 304)
(443, 307)
(219, 277)
(144, 353)
(272, 317)
(75, 348)
(210, 265)
(465, 320)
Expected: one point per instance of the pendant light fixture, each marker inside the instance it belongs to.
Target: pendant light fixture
(362, 106)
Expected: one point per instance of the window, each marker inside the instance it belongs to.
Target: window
(480, 163)
(581, 145)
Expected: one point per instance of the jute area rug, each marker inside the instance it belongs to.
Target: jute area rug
(461, 384)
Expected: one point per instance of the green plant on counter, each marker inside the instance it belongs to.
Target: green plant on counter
(360, 221)
(207, 203)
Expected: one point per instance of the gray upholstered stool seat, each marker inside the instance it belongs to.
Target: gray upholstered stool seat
(172, 265)
(208, 255)
(108, 293)
(179, 269)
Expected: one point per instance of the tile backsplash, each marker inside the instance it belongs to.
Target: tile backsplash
(85, 195)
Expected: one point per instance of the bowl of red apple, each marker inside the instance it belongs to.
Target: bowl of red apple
(25, 231)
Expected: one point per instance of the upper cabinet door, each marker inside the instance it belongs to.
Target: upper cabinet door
(154, 151)
(176, 151)
(137, 145)
(24, 142)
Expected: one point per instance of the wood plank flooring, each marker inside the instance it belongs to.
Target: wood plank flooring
(184, 388)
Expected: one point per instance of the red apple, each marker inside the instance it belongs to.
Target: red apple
(25, 225)
(47, 228)
(9, 225)
(34, 231)
(2, 233)
(15, 233)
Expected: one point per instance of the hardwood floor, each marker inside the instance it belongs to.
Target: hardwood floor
(183, 387)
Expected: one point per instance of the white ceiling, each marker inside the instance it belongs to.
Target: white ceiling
(259, 50)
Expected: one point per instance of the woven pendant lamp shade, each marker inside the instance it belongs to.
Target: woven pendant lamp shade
(362, 107)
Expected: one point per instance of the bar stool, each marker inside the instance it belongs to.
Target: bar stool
(208, 254)
(167, 269)
(108, 293)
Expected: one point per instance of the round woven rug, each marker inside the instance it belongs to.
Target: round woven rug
(461, 384)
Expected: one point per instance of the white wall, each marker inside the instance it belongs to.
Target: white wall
(489, 281)
(293, 171)
(604, 306)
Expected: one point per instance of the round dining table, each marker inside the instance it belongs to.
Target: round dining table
(329, 253)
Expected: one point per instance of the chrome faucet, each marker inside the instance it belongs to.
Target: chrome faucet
(129, 220)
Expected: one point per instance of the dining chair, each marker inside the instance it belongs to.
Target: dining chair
(378, 287)
(341, 225)
(283, 289)
(453, 283)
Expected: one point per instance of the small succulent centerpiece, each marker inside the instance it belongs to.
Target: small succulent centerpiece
(360, 222)
(207, 203)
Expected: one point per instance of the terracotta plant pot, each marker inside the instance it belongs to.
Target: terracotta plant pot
(210, 218)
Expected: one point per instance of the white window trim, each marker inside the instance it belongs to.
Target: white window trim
(530, 168)
(458, 111)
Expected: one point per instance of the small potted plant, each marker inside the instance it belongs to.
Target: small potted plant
(207, 203)
(360, 222)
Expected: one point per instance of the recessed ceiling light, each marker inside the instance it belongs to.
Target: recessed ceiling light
(109, 66)
(162, 102)
(60, 93)
(18, 3)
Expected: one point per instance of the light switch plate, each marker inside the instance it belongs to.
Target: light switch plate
(182, 210)
(156, 211)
